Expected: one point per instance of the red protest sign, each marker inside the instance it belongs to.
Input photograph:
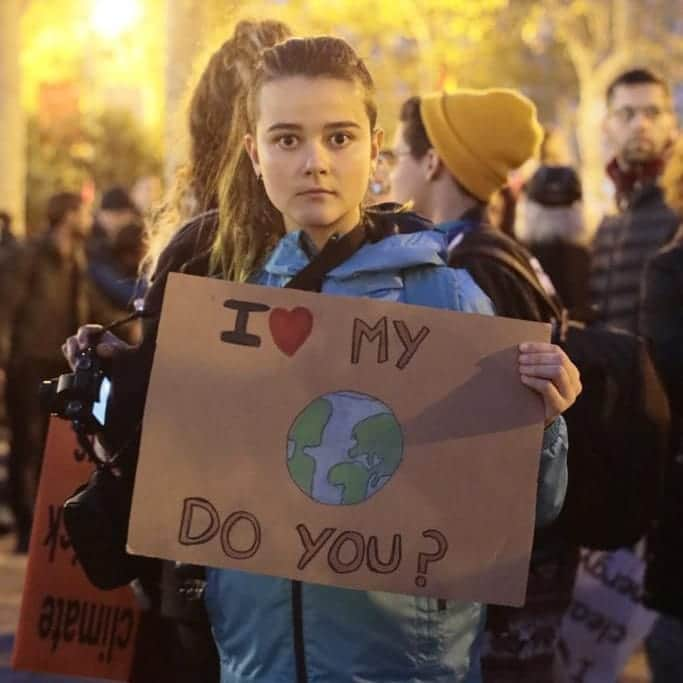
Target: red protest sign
(66, 625)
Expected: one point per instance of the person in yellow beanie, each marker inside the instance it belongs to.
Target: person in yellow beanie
(452, 152)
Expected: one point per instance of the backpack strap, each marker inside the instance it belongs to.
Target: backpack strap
(522, 269)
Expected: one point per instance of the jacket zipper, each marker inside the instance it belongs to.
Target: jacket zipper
(298, 629)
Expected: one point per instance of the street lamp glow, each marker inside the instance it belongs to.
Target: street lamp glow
(110, 18)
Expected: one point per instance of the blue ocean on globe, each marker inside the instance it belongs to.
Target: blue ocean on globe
(344, 447)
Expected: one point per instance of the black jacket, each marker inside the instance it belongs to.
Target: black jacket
(568, 266)
(661, 318)
(623, 244)
(661, 322)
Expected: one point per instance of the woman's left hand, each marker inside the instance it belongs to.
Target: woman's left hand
(547, 370)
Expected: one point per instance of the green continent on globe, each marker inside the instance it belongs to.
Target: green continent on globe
(377, 454)
(307, 431)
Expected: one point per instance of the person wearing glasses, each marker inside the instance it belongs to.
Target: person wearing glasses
(640, 126)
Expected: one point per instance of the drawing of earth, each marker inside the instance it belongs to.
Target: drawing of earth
(344, 447)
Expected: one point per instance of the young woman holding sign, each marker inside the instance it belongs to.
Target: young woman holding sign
(311, 144)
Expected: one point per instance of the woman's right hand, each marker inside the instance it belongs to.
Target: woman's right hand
(107, 346)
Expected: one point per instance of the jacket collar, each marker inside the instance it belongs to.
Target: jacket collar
(396, 252)
(635, 183)
(455, 230)
(288, 257)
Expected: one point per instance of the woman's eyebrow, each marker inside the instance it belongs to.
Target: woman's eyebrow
(284, 126)
(280, 126)
(342, 124)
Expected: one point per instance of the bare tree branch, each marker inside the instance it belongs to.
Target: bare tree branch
(621, 18)
(610, 67)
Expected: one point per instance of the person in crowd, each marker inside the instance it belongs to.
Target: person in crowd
(553, 230)
(117, 209)
(8, 249)
(310, 147)
(640, 126)
(115, 250)
(379, 190)
(454, 152)
(7, 238)
(444, 145)
(49, 297)
(9, 246)
(661, 322)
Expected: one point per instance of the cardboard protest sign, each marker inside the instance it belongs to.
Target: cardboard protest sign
(66, 625)
(344, 441)
(606, 621)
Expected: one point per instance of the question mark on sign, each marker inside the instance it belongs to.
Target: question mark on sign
(424, 559)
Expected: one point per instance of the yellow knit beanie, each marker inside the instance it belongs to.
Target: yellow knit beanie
(481, 135)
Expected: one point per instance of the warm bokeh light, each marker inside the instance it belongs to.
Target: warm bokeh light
(82, 60)
(110, 18)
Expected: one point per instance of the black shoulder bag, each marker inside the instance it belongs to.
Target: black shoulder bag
(619, 426)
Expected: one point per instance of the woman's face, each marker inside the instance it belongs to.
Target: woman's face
(314, 150)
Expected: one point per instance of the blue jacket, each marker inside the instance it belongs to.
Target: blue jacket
(270, 629)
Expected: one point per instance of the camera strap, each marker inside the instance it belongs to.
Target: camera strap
(122, 321)
(336, 251)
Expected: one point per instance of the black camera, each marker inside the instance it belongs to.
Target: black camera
(80, 396)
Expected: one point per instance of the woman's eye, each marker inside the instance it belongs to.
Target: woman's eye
(287, 141)
(340, 139)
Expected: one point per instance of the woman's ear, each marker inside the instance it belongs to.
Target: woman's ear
(376, 141)
(252, 151)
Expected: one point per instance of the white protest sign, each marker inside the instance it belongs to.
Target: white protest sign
(606, 621)
(344, 441)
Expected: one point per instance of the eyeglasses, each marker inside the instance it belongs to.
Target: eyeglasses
(626, 114)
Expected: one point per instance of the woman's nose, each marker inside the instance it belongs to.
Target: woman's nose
(317, 160)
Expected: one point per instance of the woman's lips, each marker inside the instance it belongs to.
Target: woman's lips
(315, 192)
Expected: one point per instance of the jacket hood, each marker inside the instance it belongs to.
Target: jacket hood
(416, 244)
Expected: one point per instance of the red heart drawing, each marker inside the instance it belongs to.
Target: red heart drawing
(290, 329)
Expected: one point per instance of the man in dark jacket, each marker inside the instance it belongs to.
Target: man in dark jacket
(641, 126)
(47, 301)
(452, 152)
